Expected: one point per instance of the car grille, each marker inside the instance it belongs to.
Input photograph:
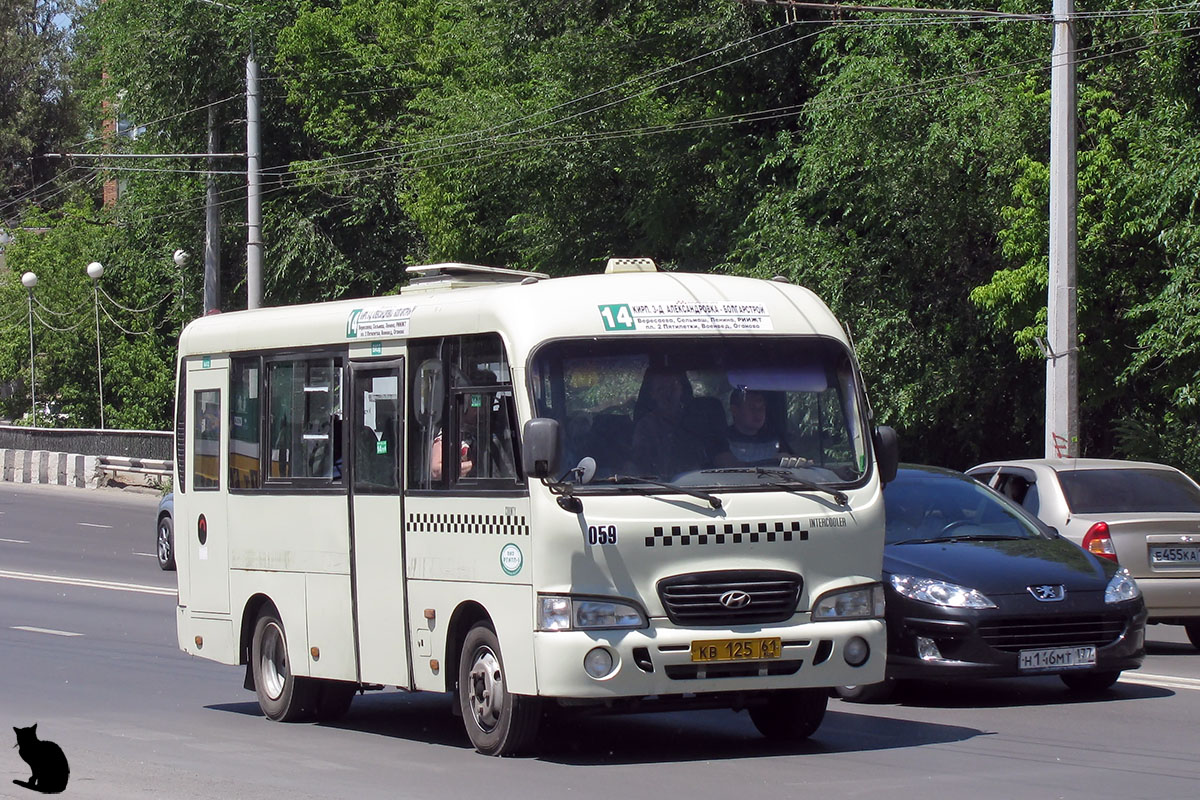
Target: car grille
(695, 599)
(1026, 634)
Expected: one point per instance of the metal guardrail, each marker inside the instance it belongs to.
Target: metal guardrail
(141, 466)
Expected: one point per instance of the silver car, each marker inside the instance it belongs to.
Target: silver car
(1144, 516)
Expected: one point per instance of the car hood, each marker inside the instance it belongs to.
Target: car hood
(999, 567)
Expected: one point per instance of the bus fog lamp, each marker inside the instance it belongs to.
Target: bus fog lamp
(857, 651)
(598, 663)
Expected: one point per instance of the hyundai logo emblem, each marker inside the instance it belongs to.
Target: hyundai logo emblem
(1048, 593)
(735, 598)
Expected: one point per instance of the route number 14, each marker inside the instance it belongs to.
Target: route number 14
(617, 317)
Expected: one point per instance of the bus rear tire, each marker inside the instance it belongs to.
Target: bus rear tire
(791, 715)
(282, 696)
(498, 722)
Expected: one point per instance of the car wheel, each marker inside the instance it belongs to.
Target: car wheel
(498, 722)
(1090, 682)
(1193, 633)
(792, 715)
(283, 697)
(868, 692)
(166, 543)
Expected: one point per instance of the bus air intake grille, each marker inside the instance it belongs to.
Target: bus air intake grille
(1012, 635)
(751, 669)
(731, 597)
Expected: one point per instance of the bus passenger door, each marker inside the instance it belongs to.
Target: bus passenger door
(202, 527)
(376, 538)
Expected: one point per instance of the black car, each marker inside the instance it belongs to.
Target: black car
(978, 588)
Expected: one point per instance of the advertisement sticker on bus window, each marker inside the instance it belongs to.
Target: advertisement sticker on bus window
(685, 315)
(378, 323)
(511, 559)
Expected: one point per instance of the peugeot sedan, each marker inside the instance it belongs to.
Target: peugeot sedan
(978, 588)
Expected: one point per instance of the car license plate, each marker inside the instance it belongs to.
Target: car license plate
(1056, 658)
(1175, 554)
(736, 649)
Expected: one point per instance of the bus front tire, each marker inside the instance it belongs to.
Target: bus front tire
(791, 715)
(283, 697)
(498, 722)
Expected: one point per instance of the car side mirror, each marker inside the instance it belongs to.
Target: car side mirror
(887, 452)
(540, 446)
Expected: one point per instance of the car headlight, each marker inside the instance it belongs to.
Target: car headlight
(855, 602)
(939, 593)
(1122, 587)
(566, 613)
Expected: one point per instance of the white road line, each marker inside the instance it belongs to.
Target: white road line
(1165, 681)
(148, 555)
(44, 630)
(88, 582)
(15, 541)
(93, 525)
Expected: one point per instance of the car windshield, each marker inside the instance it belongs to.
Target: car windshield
(930, 506)
(1123, 491)
(780, 413)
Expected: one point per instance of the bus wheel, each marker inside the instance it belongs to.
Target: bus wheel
(333, 699)
(868, 692)
(791, 715)
(282, 696)
(499, 723)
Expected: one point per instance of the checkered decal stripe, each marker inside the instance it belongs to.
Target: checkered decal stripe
(727, 533)
(468, 523)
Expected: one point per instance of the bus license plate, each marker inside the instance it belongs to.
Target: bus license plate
(736, 649)
(1175, 554)
(1056, 658)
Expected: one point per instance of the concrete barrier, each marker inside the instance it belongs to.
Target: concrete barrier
(44, 466)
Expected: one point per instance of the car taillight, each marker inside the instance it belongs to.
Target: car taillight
(1097, 541)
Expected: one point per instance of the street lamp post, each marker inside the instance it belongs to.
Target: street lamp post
(29, 280)
(94, 271)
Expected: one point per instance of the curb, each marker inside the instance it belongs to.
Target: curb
(44, 466)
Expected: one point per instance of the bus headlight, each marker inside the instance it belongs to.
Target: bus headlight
(566, 613)
(854, 602)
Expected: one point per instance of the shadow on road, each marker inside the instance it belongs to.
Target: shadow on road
(681, 736)
(1013, 693)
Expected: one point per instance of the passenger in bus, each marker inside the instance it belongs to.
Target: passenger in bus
(751, 439)
(465, 464)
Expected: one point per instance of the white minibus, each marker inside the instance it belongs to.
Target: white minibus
(628, 491)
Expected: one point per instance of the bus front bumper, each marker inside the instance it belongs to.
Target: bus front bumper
(658, 660)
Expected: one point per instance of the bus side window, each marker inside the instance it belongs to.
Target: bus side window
(206, 435)
(305, 423)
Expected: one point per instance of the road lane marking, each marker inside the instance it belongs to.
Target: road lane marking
(93, 525)
(1164, 681)
(15, 541)
(148, 555)
(88, 582)
(44, 630)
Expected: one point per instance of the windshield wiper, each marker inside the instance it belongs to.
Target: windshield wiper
(788, 482)
(712, 499)
(966, 537)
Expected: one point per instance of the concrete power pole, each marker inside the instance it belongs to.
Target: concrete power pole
(1062, 354)
(212, 224)
(254, 242)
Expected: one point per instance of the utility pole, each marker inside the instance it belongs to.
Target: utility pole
(1062, 351)
(254, 242)
(212, 224)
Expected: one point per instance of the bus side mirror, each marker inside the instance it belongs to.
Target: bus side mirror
(887, 452)
(540, 446)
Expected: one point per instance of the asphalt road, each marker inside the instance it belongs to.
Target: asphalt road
(88, 652)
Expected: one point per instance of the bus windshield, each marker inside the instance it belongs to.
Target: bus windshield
(722, 412)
